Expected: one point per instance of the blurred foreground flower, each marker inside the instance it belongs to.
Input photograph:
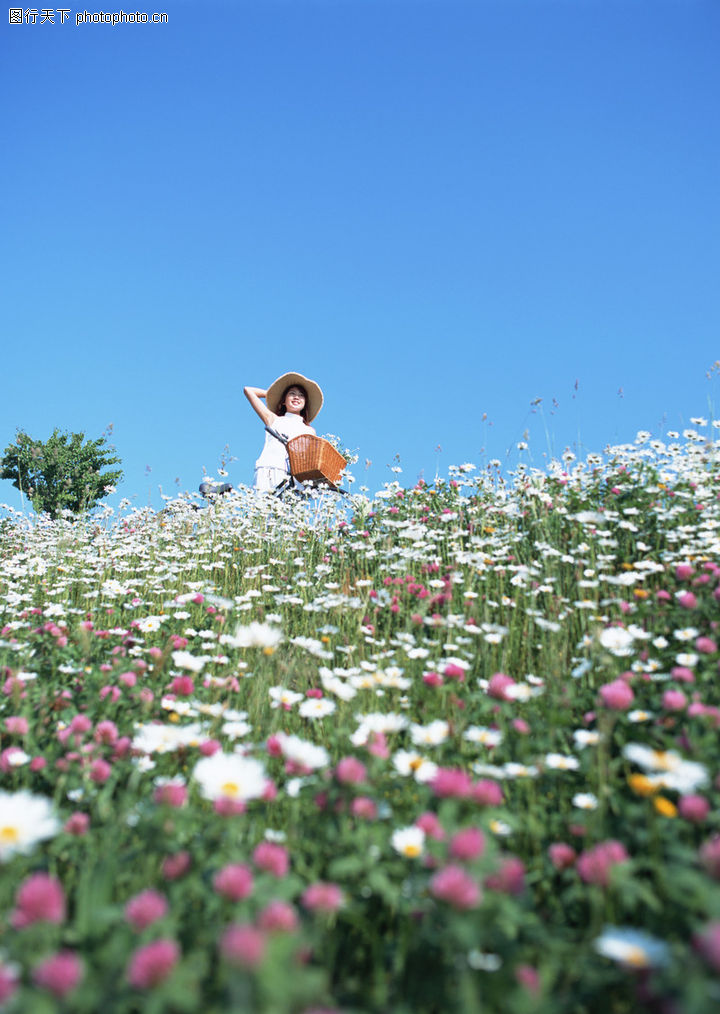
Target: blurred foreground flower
(152, 964)
(408, 841)
(453, 885)
(708, 944)
(632, 948)
(9, 978)
(40, 898)
(674, 772)
(229, 776)
(617, 641)
(297, 751)
(617, 696)
(255, 635)
(243, 945)
(25, 820)
(595, 863)
(322, 897)
(145, 909)
(59, 974)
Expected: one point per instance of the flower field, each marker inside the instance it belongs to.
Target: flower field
(453, 749)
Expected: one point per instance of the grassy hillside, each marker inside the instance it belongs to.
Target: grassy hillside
(453, 750)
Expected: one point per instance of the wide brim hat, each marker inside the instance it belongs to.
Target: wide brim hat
(278, 388)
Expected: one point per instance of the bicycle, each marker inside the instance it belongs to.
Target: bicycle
(315, 466)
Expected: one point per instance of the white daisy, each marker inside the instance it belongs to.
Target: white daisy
(281, 696)
(514, 770)
(561, 762)
(236, 730)
(585, 801)
(430, 735)
(15, 757)
(316, 707)
(617, 641)
(186, 660)
(302, 753)
(484, 736)
(686, 634)
(407, 762)
(484, 961)
(631, 947)
(586, 737)
(25, 820)
(157, 738)
(671, 771)
(522, 692)
(408, 841)
(230, 776)
(376, 722)
(312, 645)
(335, 685)
(179, 707)
(149, 624)
(256, 635)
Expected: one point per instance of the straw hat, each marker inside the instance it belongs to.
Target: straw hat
(278, 388)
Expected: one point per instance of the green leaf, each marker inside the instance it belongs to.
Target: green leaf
(346, 866)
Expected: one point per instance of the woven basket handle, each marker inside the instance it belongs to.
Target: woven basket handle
(278, 436)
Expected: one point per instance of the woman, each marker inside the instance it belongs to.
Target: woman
(291, 403)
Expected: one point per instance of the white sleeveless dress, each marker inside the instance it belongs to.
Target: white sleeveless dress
(273, 465)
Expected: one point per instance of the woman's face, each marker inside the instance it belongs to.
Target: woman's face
(294, 400)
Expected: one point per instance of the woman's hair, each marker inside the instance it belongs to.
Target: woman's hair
(281, 410)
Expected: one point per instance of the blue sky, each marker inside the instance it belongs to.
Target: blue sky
(440, 210)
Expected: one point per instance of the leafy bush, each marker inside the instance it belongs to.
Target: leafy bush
(61, 473)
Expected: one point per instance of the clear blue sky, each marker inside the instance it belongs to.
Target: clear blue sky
(437, 209)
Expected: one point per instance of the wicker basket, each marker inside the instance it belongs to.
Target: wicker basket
(313, 459)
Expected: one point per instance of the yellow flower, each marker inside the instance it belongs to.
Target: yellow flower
(636, 957)
(640, 593)
(641, 785)
(664, 807)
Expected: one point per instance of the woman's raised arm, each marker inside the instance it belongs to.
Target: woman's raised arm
(253, 395)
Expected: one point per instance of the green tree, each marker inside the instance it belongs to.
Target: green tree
(62, 473)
